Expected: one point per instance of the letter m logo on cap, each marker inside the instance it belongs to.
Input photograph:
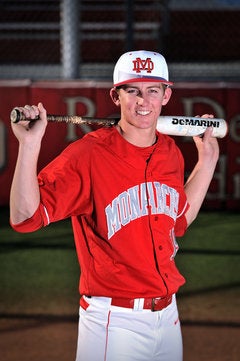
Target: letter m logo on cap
(139, 65)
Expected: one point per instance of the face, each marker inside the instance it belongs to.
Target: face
(141, 103)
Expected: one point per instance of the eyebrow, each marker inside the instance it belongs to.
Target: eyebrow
(136, 87)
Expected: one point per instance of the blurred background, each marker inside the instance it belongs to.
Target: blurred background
(44, 39)
(62, 52)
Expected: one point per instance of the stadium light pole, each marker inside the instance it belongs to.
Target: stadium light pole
(129, 4)
(69, 38)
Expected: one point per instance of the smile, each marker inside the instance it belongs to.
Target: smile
(143, 112)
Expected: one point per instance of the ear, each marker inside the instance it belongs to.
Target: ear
(115, 96)
(167, 96)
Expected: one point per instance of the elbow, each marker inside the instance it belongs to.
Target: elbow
(191, 215)
(28, 224)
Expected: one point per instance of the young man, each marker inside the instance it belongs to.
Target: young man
(124, 189)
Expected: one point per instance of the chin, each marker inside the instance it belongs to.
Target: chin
(145, 125)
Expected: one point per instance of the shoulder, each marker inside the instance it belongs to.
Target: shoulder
(166, 141)
(167, 145)
(102, 137)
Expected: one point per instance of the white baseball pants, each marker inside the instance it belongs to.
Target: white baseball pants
(110, 333)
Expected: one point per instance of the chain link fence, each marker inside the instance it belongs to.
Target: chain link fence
(200, 39)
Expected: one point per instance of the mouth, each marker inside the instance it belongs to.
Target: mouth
(143, 112)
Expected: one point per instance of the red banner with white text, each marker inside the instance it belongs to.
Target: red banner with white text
(92, 99)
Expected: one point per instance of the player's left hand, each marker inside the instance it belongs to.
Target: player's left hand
(207, 146)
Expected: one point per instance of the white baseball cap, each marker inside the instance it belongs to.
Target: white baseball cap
(141, 66)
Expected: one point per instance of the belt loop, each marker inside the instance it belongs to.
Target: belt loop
(138, 304)
(83, 303)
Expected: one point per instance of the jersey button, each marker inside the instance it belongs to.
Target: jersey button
(155, 218)
(160, 248)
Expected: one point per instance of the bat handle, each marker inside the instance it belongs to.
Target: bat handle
(16, 116)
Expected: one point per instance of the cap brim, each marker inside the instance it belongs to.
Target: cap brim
(144, 79)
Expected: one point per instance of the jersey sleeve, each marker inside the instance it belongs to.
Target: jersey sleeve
(65, 184)
(37, 221)
(181, 222)
(65, 190)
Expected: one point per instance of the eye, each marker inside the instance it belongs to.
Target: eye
(132, 91)
(154, 90)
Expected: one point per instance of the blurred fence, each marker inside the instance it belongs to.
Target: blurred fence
(200, 39)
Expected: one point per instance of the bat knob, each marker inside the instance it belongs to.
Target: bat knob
(15, 115)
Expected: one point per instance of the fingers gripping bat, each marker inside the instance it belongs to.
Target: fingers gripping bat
(171, 125)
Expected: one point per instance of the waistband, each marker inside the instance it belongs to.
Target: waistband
(153, 304)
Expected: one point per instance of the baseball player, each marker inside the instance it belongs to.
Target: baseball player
(123, 187)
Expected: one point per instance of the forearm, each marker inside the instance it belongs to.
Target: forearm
(196, 188)
(25, 195)
(199, 180)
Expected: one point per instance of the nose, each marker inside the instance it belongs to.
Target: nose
(141, 99)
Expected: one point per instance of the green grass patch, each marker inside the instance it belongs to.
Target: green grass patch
(210, 253)
(39, 272)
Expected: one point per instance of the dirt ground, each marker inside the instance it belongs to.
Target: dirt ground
(210, 327)
(28, 340)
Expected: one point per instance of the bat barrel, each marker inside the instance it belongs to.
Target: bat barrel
(191, 126)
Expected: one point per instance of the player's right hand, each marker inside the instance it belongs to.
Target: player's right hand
(31, 131)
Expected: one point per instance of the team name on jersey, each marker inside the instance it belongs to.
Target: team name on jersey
(138, 201)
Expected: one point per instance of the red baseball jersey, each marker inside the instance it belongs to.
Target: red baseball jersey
(126, 203)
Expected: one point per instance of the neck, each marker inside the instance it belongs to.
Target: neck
(138, 137)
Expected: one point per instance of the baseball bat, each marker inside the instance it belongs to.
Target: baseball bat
(170, 125)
